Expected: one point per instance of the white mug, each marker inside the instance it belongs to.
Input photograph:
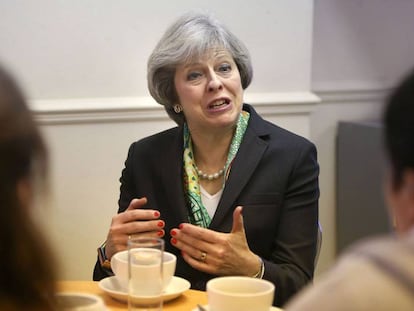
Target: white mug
(239, 293)
(119, 265)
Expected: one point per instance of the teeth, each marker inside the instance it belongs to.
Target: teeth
(218, 103)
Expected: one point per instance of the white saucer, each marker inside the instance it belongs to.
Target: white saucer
(208, 309)
(113, 288)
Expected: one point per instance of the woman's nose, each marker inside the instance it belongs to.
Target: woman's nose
(214, 83)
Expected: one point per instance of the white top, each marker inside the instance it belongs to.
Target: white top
(209, 201)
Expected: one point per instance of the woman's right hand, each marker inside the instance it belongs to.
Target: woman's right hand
(133, 220)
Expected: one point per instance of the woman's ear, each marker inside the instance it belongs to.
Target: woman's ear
(409, 187)
(403, 203)
(408, 184)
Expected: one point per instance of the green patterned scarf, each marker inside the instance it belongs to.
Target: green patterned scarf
(198, 214)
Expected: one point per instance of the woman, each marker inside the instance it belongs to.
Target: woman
(27, 277)
(237, 194)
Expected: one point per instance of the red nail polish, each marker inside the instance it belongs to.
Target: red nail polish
(160, 224)
(173, 232)
(181, 226)
(174, 241)
(160, 233)
(157, 214)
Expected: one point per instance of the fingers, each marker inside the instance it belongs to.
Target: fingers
(118, 242)
(137, 203)
(196, 233)
(136, 227)
(135, 213)
(133, 221)
(206, 265)
(190, 237)
(200, 247)
(238, 224)
(191, 244)
(216, 252)
(201, 257)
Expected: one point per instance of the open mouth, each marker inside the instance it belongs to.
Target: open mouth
(219, 103)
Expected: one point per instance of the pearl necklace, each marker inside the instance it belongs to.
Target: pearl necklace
(213, 176)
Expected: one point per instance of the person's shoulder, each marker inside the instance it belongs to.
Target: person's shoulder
(157, 143)
(274, 132)
(387, 250)
(356, 282)
(378, 244)
(160, 137)
(335, 289)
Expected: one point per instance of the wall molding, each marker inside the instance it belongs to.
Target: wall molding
(128, 109)
(124, 109)
(352, 95)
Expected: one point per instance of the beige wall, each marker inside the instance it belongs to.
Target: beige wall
(83, 67)
(360, 50)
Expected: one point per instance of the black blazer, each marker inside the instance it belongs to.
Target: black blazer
(274, 177)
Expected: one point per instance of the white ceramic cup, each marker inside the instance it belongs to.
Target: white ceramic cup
(239, 293)
(119, 265)
(68, 301)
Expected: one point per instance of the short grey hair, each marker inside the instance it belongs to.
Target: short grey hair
(189, 38)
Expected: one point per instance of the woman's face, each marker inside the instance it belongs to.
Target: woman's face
(210, 91)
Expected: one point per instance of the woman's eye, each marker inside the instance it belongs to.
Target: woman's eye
(193, 75)
(225, 68)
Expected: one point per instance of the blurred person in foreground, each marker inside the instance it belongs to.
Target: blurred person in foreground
(236, 194)
(378, 274)
(27, 279)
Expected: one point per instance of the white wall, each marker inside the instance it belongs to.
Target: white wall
(83, 64)
(360, 50)
(99, 48)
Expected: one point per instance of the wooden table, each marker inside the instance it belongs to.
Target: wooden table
(186, 302)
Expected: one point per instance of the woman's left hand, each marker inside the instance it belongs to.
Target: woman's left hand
(215, 252)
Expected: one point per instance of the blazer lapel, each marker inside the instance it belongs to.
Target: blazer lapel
(173, 178)
(248, 157)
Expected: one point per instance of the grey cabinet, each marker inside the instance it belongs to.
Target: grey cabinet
(361, 209)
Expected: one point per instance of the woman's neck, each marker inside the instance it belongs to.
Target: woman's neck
(210, 150)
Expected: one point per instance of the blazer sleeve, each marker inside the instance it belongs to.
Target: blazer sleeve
(291, 264)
